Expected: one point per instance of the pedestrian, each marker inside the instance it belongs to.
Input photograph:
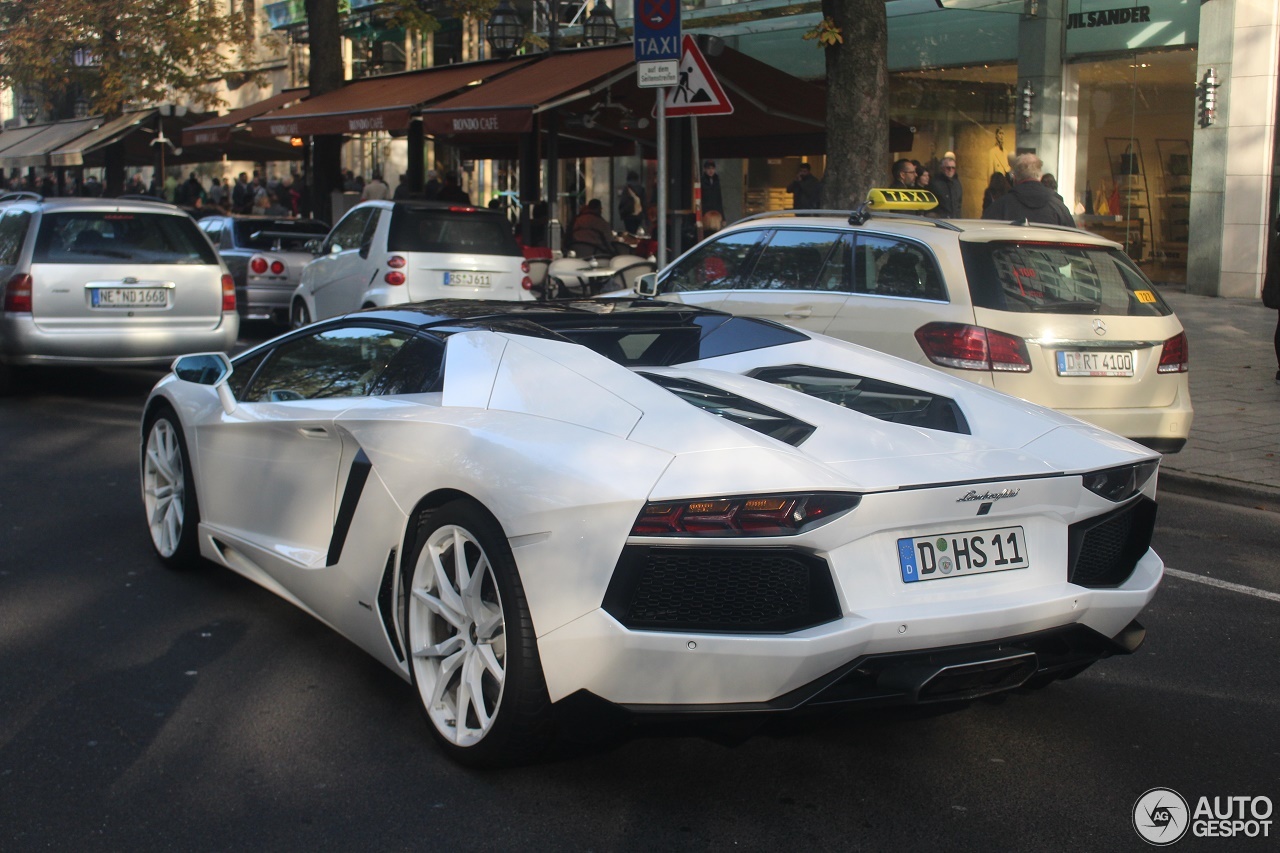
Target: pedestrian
(904, 174)
(997, 186)
(1029, 198)
(806, 190)
(631, 203)
(402, 189)
(241, 194)
(452, 190)
(431, 191)
(591, 235)
(376, 189)
(712, 198)
(947, 189)
(923, 177)
(1271, 285)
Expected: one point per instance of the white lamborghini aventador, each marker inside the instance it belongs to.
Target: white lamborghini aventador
(529, 510)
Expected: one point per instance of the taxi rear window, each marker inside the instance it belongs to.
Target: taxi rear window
(1059, 278)
(120, 237)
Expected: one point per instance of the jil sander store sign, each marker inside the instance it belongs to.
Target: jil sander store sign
(1096, 26)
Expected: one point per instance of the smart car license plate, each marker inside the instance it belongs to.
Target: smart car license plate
(468, 279)
(1095, 363)
(949, 555)
(129, 297)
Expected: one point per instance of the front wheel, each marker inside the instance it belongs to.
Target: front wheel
(168, 490)
(474, 657)
(299, 316)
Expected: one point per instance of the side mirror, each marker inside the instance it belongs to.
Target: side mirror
(208, 368)
(334, 249)
(647, 285)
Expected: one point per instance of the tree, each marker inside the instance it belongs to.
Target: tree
(120, 52)
(855, 34)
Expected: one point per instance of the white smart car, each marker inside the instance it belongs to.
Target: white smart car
(1056, 316)
(535, 511)
(389, 252)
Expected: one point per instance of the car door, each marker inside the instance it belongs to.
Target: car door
(801, 278)
(897, 288)
(271, 470)
(338, 277)
(706, 274)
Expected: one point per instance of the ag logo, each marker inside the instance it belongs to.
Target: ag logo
(1161, 816)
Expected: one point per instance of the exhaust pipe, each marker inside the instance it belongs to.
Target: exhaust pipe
(960, 679)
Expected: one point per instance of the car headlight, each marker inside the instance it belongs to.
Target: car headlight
(1120, 484)
(753, 515)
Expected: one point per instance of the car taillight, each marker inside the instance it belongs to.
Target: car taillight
(461, 209)
(973, 348)
(394, 277)
(228, 293)
(17, 294)
(524, 267)
(1176, 355)
(756, 515)
(277, 267)
(396, 262)
(258, 265)
(526, 283)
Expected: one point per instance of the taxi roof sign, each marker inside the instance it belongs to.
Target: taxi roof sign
(901, 199)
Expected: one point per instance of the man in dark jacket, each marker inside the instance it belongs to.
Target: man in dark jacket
(1029, 199)
(946, 187)
(904, 174)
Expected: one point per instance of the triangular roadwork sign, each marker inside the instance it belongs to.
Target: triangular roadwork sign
(698, 92)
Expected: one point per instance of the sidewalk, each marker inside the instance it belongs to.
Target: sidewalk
(1234, 450)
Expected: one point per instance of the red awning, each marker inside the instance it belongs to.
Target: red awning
(217, 130)
(377, 103)
(508, 104)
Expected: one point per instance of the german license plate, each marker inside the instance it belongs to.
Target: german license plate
(949, 555)
(468, 279)
(129, 297)
(1095, 363)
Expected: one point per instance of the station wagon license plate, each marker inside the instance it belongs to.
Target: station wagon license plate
(129, 297)
(468, 279)
(1095, 362)
(949, 555)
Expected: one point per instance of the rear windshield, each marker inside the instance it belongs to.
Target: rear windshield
(280, 235)
(101, 237)
(1058, 278)
(436, 230)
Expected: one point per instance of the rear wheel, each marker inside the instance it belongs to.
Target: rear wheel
(474, 658)
(168, 490)
(299, 316)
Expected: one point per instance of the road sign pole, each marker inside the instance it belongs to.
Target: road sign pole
(662, 178)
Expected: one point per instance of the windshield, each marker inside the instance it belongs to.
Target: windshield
(120, 237)
(1059, 278)
(415, 229)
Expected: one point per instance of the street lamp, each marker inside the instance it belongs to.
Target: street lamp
(505, 30)
(601, 26)
(30, 111)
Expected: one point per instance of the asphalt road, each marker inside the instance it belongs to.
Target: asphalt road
(142, 709)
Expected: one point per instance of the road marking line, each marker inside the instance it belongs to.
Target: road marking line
(1234, 587)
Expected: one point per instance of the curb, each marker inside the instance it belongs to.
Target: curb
(1220, 489)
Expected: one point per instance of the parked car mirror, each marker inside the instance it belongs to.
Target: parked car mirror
(208, 368)
(334, 248)
(647, 284)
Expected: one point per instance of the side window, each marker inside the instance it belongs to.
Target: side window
(885, 266)
(418, 368)
(242, 371)
(372, 227)
(793, 260)
(343, 362)
(13, 233)
(349, 233)
(716, 265)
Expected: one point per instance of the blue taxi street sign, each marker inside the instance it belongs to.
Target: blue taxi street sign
(657, 30)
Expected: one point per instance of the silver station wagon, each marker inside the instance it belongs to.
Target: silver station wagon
(101, 282)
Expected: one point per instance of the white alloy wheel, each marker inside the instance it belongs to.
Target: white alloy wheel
(458, 633)
(168, 494)
(299, 315)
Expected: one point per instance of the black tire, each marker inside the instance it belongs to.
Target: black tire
(299, 316)
(168, 490)
(485, 639)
